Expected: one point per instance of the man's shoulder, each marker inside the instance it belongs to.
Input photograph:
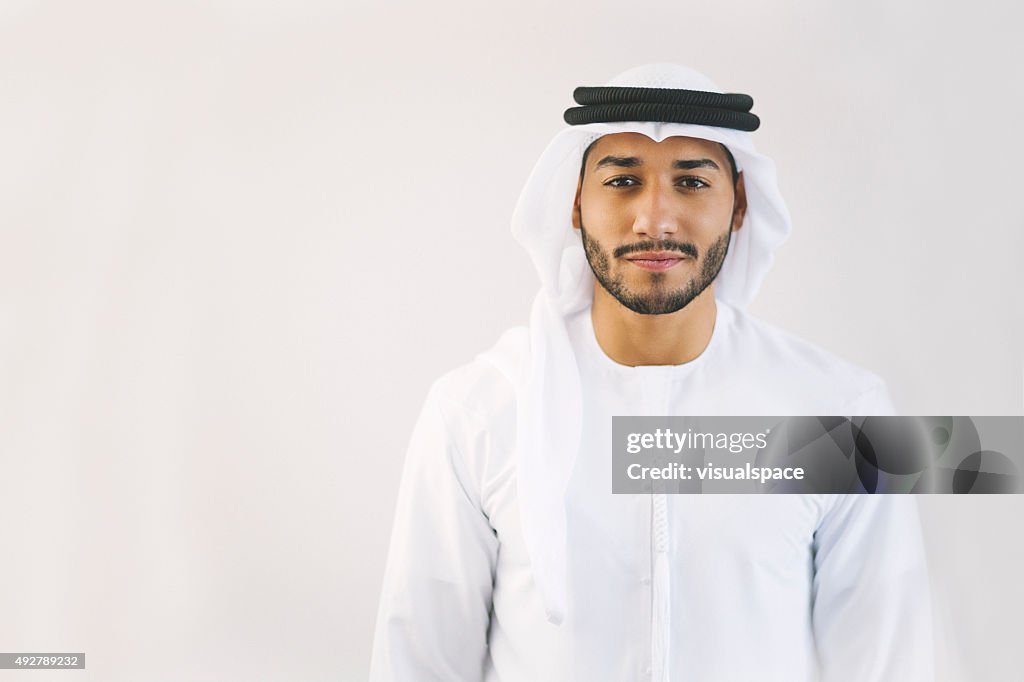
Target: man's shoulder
(477, 401)
(484, 387)
(800, 361)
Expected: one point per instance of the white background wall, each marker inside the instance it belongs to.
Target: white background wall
(238, 240)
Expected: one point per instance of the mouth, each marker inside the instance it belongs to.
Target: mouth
(656, 260)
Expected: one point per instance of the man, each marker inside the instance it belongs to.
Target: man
(651, 221)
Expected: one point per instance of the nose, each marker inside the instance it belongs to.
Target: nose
(655, 214)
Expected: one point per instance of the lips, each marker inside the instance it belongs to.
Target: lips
(656, 255)
(656, 260)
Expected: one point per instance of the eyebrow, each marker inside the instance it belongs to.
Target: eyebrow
(633, 162)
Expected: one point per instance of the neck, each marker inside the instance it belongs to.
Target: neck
(633, 339)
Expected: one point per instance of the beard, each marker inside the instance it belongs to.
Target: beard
(659, 299)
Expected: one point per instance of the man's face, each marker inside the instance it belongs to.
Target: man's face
(655, 217)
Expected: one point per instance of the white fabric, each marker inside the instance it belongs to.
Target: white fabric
(547, 377)
(660, 587)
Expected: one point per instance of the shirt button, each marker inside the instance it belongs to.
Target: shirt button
(646, 581)
(647, 670)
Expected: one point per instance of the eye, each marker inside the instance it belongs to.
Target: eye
(691, 182)
(621, 181)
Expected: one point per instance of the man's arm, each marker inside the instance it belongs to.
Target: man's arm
(436, 600)
(871, 598)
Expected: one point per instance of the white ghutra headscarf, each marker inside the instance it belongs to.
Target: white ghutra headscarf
(541, 363)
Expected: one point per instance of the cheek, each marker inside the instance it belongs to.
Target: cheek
(710, 216)
(602, 208)
(594, 214)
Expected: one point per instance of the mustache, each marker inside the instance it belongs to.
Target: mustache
(682, 247)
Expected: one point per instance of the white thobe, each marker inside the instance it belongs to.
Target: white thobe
(660, 587)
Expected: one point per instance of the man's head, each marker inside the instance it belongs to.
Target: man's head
(655, 217)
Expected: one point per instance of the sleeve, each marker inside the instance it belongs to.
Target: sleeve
(871, 608)
(435, 602)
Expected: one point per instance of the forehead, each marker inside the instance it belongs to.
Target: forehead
(639, 145)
